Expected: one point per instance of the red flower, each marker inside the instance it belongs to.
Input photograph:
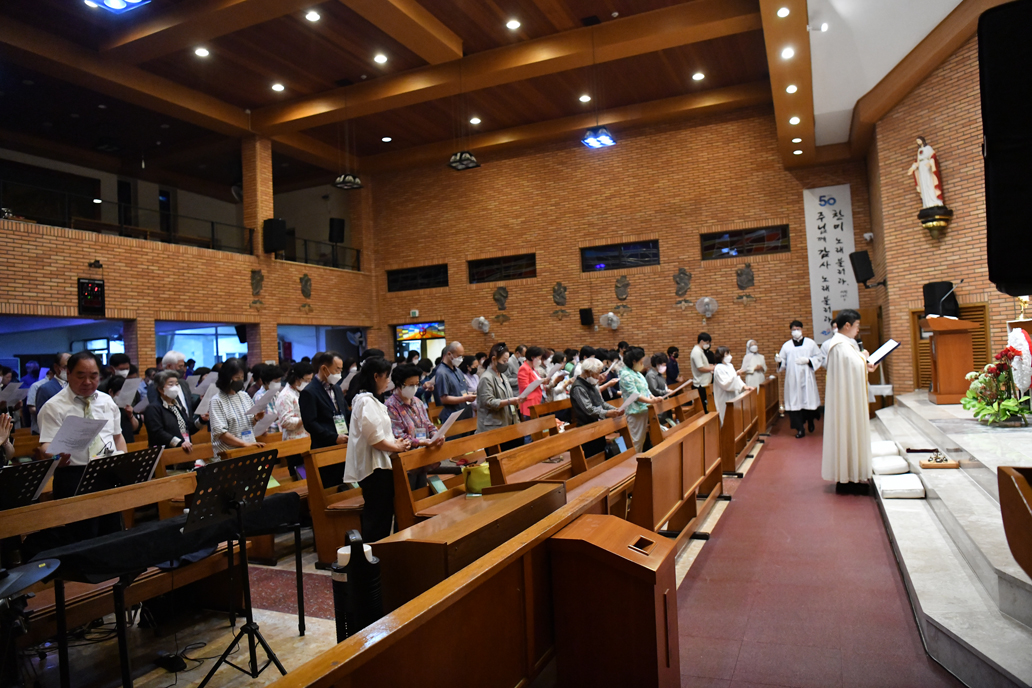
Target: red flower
(998, 356)
(992, 370)
(1002, 366)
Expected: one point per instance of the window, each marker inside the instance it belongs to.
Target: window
(504, 268)
(620, 256)
(745, 242)
(423, 277)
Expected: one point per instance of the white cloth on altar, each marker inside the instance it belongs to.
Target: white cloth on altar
(726, 386)
(847, 429)
(801, 380)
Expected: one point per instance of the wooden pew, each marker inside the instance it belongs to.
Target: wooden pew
(409, 505)
(415, 559)
(25, 445)
(136, 446)
(551, 408)
(501, 603)
(674, 474)
(167, 508)
(768, 404)
(681, 407)
(285, 448)
(333, 513)
(739, 431)
(527, 463)
(462, 427)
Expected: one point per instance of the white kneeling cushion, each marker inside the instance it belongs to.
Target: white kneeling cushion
(889, 465)
(906, 486)
(884, 448)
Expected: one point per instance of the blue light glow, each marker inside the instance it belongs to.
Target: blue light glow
(599, 137)
(118, 6)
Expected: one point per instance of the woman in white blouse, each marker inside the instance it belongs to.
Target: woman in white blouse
(287, 409)
(726, 383)
(754, 366)
(370, 444)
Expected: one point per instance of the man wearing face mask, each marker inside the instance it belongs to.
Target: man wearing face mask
(799, 359)
(726, 383)
(174, 360)
(322, 410)
(587, 404)
(450, 385)
(702, 369)
(120, 364)
(673, 371)
(56, 383)
(518, 357)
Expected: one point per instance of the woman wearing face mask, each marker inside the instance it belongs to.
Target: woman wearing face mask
(409, 418)
(287, 406)
(495, 399)
(587, 404)
(527, 375)
(633, 382)
(231, 427)
(656, 377)
(469, 368)
(369, 449)
(726, 383)
(168, 423)
(754, 366)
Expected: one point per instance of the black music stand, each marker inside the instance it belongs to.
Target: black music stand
(106, 472)
(21, 484)
(225, 491)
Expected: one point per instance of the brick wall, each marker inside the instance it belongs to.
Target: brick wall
(670, 182)
(945, 109)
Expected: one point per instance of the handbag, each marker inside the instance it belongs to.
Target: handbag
(477, 478)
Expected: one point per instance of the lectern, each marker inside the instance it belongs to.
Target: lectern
(952, 358)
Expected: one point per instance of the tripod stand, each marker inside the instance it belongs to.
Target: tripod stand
(226, 490)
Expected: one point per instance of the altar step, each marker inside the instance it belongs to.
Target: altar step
(972, 601)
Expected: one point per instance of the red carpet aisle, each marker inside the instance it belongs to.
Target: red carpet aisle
(276, 590)
(799, 587)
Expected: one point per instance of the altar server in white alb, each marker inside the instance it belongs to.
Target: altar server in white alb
(847, 429)
(726, 383)
(799, 359)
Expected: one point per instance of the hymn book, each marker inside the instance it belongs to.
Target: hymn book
(883, 351)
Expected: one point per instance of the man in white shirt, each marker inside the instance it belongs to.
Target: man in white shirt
(174, 360)
(799, 359)
(702, 369)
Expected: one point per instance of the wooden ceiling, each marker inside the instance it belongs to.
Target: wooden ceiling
(523, 84)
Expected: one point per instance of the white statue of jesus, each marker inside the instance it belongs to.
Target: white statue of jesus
(926, 175)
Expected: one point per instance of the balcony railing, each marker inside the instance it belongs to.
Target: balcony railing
(62, 209)
(323, 253)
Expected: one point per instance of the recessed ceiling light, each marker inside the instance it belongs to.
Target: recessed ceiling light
(797, 140)
(585, 98)
(824, 27)
(475, 120)
(164, 126)
(512, 25)
(783, 12)
(794, 120)
(380, 58)
(698, 76)
(97, 200)
(90, 3)
(797, 152)
(792, 88)
(102, 107)
(201, 52)
(312, 16)
(386, 139)
(788, 53)
(278, 87)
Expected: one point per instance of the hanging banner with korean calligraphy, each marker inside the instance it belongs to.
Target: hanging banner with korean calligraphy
(829, 241)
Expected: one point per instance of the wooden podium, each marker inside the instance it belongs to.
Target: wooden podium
(952, 358)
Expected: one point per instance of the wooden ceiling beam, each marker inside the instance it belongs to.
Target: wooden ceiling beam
(192, 23)
(409, 23)
(694, 105)
(648, 32)
(314, 152)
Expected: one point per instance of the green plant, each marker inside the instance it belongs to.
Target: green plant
(992, 397)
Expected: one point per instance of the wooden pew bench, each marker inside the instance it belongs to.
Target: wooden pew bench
(333, 512)
(682, 406)
(739, 431)
(490, 625)
(768, 404)
(410, 506)
(672, 476)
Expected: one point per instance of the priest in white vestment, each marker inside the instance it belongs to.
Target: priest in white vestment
(726, 383)
(847, 429)
(799, 359)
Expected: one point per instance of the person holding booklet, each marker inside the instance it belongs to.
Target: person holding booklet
(495, 400)
(527, 376)
(168, 423)
(846, 458)
(587, 404)
(231, 427)
(633, 383)
(409, 418)
(726, 383)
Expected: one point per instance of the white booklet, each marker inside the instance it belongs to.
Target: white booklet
(74, 435)
(678, 389)
(126, 394)
(264, 400)
(883, 351)
(445, 426)
(630, 400)
(531, 387)
(205, 404)
(262, 426)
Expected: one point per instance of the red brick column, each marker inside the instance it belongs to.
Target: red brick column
(256, 159)
(139, 340)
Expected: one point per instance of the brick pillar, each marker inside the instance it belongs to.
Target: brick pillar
(139, 340)
(256, 158)
(262, 344)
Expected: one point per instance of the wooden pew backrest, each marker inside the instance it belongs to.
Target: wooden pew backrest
(285, 448)
(328, 523)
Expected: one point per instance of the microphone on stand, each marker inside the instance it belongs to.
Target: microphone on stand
(943, 299)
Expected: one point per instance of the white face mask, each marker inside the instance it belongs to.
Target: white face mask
(797, 334)
(705, 345)
(727, 359)
(754, 349)
(409, 391)
(333, 379)
(63, 376)
(593, 381)
(353, 369)
(122, 373)
(172, 391)
(301, 385)
(661, 369)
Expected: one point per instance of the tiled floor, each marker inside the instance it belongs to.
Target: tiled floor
(798, 587)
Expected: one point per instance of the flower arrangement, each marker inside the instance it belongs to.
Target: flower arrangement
(993, 397)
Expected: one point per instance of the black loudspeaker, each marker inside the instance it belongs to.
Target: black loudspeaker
(862, 270)
(242, 333)
(587, 317)
(933, 295)
(274, 235)
(337, 228)
(1005, 70)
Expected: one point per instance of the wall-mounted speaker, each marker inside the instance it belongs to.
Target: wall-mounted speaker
(863, 271)
(338, 228)
(1005, 71)
(587, 317)
(91, 297)
(274, 235)
(241, 331)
